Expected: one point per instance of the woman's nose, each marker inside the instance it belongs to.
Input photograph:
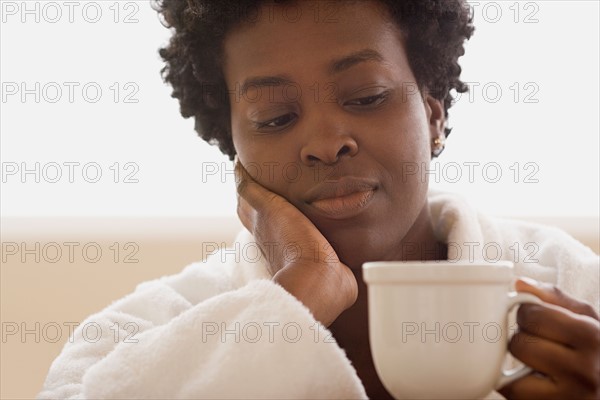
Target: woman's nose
(327, 143)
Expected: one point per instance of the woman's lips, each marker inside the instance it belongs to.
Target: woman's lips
(342, 198)
(342, 207)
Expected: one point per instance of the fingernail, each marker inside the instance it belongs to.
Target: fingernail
(529, 281)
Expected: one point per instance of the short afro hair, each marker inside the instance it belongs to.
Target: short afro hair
(434, 33)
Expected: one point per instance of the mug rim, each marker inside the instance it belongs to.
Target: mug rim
(432, 272)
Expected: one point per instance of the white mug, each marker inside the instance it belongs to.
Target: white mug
(439, 330)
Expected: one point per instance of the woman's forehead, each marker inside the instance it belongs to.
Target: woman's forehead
(274, 42)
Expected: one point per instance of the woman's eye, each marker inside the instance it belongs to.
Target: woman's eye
(278, 122)
(374, 100)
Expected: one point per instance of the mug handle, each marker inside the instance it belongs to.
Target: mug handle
(512, 375)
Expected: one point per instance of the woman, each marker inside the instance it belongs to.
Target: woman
(333, 110)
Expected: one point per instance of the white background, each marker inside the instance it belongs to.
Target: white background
(555, 53)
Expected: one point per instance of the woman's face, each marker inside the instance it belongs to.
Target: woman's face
(324, 103)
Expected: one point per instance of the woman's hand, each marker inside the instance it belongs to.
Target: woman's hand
(299, 257)
(561, 341)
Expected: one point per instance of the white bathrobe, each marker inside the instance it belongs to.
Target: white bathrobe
(222, 329)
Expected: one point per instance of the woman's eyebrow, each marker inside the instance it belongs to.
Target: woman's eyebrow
(335, 67)
(261, 81)
(345, 62)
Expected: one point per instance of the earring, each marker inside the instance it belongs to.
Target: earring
(439, 144)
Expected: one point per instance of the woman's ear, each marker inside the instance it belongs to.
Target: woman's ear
(435, 117)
